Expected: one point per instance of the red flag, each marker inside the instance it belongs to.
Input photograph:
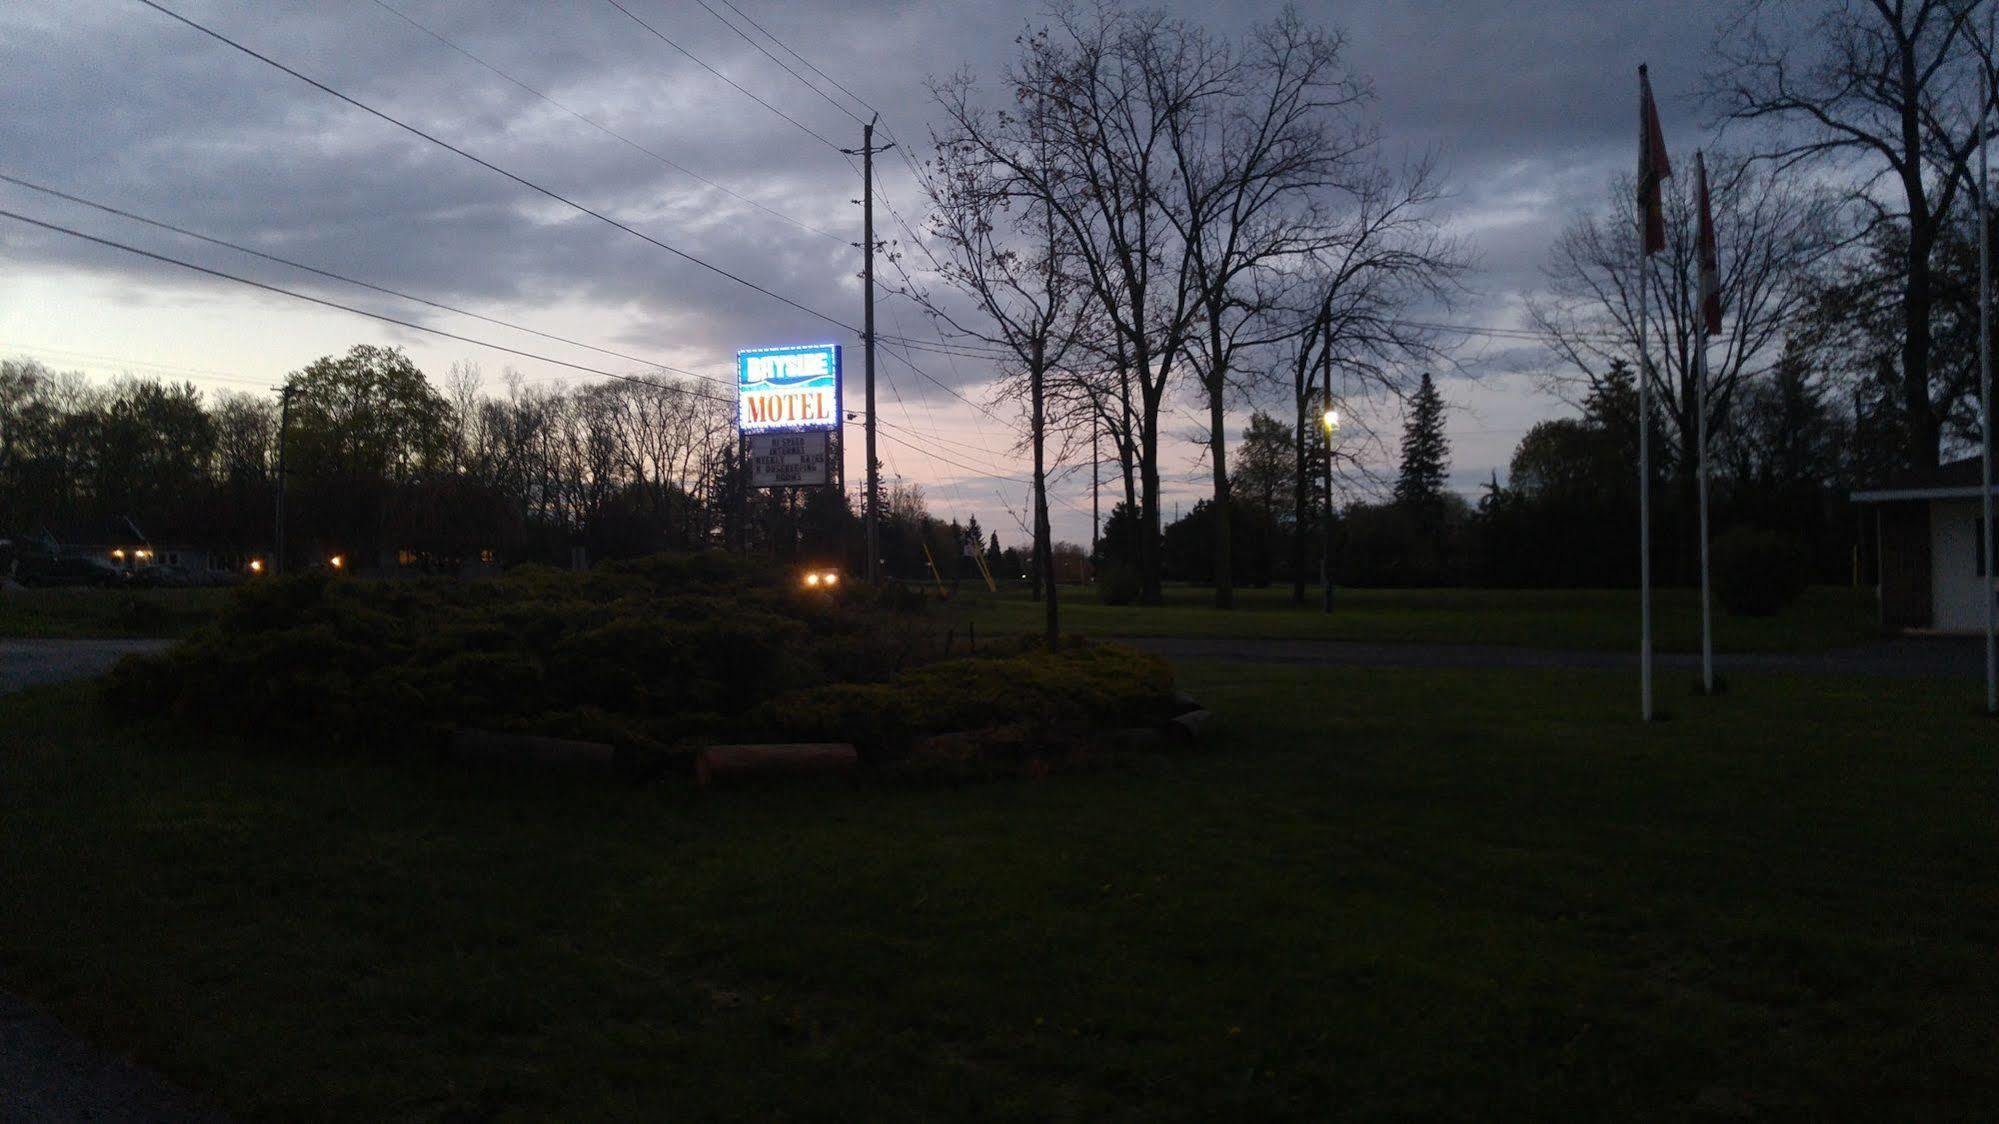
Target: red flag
(1653, 168)
(1710, 264)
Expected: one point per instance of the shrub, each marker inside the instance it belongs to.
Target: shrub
(656, 650)
(1080, 687)
(1117, 583)
(1757, 573)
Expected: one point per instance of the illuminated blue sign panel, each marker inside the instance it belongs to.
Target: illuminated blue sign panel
(788, 388)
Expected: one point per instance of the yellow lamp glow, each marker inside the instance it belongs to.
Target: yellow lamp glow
(336, 561)
(812, 579)
(1332, 419)
(832, 579)
(256, 565)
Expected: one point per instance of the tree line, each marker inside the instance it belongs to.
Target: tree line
(393, 470)
(1149, 214)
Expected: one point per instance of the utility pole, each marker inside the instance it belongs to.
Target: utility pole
(284, 421)
(867, 155)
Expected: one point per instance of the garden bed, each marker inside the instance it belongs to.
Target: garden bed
(654, 659)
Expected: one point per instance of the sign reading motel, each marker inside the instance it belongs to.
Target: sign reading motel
(788, 388)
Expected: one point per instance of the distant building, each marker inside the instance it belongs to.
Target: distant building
(117, 541)
(1933, 569)
(114, 540)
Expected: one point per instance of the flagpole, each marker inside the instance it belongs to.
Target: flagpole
(1985, 390)
(1644, 436)
(1702, 326)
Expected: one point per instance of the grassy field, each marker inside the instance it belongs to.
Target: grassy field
(79, 611)
(1411, 894)
(1564, 618)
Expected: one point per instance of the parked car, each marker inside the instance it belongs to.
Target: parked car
(37, 570)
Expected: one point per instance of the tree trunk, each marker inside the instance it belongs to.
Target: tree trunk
(1043, 548)
(1925, 434)
(1149, 592)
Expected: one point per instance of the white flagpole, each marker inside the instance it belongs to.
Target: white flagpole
(1707, 611)
(1644, 476)
(1985, 394)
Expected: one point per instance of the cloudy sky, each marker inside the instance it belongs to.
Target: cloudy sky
(1527, 107)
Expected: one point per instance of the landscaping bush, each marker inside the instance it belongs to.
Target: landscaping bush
(1757, 573)
(1082, 687)
(657, 651)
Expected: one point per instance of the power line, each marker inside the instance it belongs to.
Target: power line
(282, 291)
(807, 130)
(203, 372)
(130, 249)
(490, 166)
(605, 129)
(858, 100)
(108, 209)
(780, 62)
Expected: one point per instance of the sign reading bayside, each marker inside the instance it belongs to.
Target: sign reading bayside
(788, 388)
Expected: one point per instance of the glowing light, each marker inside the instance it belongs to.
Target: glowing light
(117, 554)
(832, 579)
(1332, 419)
(812, 579)
(336, 561)
(256, 565)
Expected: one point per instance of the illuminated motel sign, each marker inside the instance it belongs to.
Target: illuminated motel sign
(788, 388)
(787, 411)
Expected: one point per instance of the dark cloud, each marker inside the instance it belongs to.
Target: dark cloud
(1528, 109)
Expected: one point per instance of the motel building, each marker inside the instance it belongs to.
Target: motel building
(1934, 575)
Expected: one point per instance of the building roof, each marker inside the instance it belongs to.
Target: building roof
(110, 530)
(1957, 480)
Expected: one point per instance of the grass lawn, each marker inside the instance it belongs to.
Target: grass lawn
(1380, 893)
(1826, 617)
(78, 611)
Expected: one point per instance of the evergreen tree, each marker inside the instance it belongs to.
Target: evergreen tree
(1426, 453)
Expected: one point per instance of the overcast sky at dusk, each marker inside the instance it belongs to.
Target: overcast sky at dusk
(1529, 109)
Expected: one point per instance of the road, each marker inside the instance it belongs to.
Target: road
(32, 663)
(1908, 657)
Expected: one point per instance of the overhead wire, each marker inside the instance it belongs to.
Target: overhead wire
(605, 129)
(238, 247)
(697, 60)
(780, 62)
(412, 325)
(490, 166)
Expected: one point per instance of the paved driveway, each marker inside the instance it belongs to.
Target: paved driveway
(32, 663)
(1909, 657)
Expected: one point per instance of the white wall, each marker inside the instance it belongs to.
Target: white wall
(1954, 584)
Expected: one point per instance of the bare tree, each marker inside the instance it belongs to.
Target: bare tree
(1258, 152)
(1006, 252)
(1890, 89)
(1771, 230)
(1098, 93)
(1383, 255)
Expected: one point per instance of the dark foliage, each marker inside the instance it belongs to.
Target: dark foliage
(1758, 572)
(1189, 545)
(644, 653)
(1073, 691)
